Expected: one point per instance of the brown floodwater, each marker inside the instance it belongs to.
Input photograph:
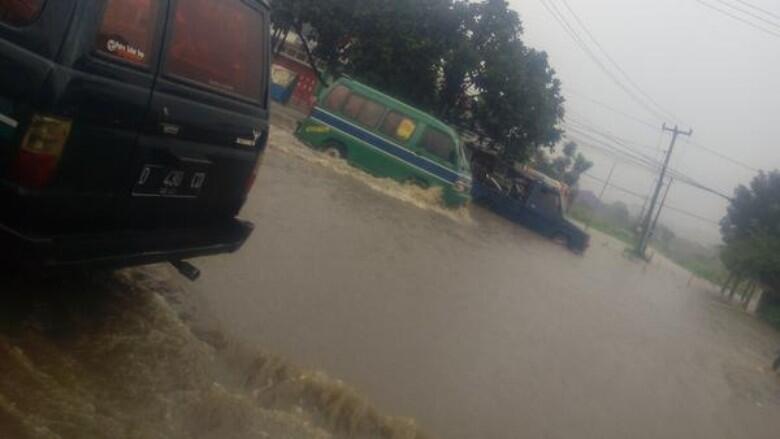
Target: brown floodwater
(459, 322)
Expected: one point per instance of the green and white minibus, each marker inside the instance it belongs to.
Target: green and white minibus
(388, 138)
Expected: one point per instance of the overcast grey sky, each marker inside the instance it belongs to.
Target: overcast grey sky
(717, 75)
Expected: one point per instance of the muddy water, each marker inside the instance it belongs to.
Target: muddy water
(470, 325)
(478, 328)
(104, 355)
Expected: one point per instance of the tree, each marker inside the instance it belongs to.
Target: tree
(751, 231)
(567, 167)
(465, 62)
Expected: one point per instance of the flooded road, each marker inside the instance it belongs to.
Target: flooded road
(460, 320)
(478, 328)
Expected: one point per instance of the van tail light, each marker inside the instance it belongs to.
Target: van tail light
(41, 150)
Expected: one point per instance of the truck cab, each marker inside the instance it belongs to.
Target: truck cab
(533, 200)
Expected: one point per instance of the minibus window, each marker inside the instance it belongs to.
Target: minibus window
(353, 106)
(127, 30)
(336, 98)
(20, 12)
(438, 144)
(371, 113)
(398, 127)
(219, 43)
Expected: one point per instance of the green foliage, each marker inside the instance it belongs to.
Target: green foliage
(463, 61)
(770, 312)
(751, 231)
(567, 168)
(615, 220)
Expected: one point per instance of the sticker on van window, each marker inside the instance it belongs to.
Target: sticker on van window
(124, 51)
(405, 129)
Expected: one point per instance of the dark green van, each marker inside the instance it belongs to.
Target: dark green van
(388, 138)
(130, 130)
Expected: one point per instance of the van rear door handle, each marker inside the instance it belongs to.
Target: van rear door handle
(170, 128)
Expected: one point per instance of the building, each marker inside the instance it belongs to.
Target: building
(294, 81)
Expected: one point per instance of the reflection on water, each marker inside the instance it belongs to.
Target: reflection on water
(110, 356)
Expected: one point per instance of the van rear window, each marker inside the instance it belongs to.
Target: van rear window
(20, 12)
(218, 43)
(127, 29)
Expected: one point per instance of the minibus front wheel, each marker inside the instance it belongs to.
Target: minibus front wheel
(334, 150)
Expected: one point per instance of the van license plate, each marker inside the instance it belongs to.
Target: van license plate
(163, 181)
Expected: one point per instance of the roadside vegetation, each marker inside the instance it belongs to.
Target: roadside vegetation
(616, 220)
(751, 231)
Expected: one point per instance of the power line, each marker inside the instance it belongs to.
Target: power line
(655, 128)
(552, 8)
(740, 19)
(751, 14)
(614, 186)
(614, 63)
(623, 142)
(642, 197)
(724, 157)
(604, 133)
(757, 8)
(636, 119)
(641, 161)
(633, 156)
(625, 156)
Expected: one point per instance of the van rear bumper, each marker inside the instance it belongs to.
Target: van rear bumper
(122, 248)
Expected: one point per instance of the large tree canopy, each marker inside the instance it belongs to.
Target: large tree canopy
(463, 61)
(751, 230)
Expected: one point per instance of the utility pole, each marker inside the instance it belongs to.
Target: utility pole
(601, 194)
(642, 245)
(641, 216)
(661, 207)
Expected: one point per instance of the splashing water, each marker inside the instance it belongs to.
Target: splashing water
(109, 356)
(423, 198)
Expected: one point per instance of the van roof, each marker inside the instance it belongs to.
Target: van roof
(420, 115)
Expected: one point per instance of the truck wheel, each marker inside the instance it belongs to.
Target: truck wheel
(561, 239)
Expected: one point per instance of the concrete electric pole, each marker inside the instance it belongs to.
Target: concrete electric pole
(642, 244)
(661, 207)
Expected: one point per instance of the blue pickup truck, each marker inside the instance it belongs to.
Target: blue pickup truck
(534, 200)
